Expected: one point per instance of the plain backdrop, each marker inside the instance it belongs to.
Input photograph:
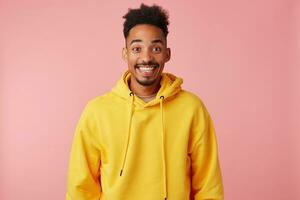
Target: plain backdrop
(240, 57)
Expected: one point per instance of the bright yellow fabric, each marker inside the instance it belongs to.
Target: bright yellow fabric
(126, 149)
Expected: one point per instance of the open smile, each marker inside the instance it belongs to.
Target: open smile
(146, 70)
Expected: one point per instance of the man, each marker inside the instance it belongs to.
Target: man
(147, 139)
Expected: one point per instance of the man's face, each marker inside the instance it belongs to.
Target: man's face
(146, 53)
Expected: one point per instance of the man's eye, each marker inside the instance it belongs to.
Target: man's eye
(136, 49)
(157, 49)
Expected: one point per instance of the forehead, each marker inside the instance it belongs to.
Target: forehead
(145, 33)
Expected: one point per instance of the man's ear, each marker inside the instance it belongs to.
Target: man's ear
(124, 54)
(168, 57)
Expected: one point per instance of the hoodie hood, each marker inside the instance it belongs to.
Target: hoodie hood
(170, 85)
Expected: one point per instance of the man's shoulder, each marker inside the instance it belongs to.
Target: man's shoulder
(99, 101)
(190, 98)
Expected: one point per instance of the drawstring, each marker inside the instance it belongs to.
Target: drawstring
(163, 141)
(128, 133)
(163, 146)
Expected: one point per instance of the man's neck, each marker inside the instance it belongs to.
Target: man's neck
(144, 91)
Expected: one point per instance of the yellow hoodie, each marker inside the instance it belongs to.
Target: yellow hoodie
(126, 149)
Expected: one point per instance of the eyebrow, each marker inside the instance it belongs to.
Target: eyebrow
(157, 41)
(136, 40)
(154, 41)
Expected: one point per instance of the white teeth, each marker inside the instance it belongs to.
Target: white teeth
(147, 69)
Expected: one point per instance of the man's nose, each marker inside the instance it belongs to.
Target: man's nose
(146, 56)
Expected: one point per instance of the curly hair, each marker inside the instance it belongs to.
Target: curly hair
(153, 15)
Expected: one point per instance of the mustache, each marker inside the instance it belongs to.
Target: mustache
(151, 63)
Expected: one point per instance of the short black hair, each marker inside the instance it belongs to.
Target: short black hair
(153, 15)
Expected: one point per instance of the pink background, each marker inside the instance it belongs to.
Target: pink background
(241, 57)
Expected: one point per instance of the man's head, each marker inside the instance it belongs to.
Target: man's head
(145, 31)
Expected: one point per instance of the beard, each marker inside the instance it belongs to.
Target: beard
(146, 82)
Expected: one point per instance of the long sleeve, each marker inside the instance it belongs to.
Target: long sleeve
(84, 164)
(206, 174)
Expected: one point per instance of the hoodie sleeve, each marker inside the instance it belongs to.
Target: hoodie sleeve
(206, 175)
(84, 165)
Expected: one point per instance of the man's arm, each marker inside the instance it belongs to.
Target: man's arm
(84, 164)
(206, 174)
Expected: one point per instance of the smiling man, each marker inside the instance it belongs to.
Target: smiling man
(147, 139)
